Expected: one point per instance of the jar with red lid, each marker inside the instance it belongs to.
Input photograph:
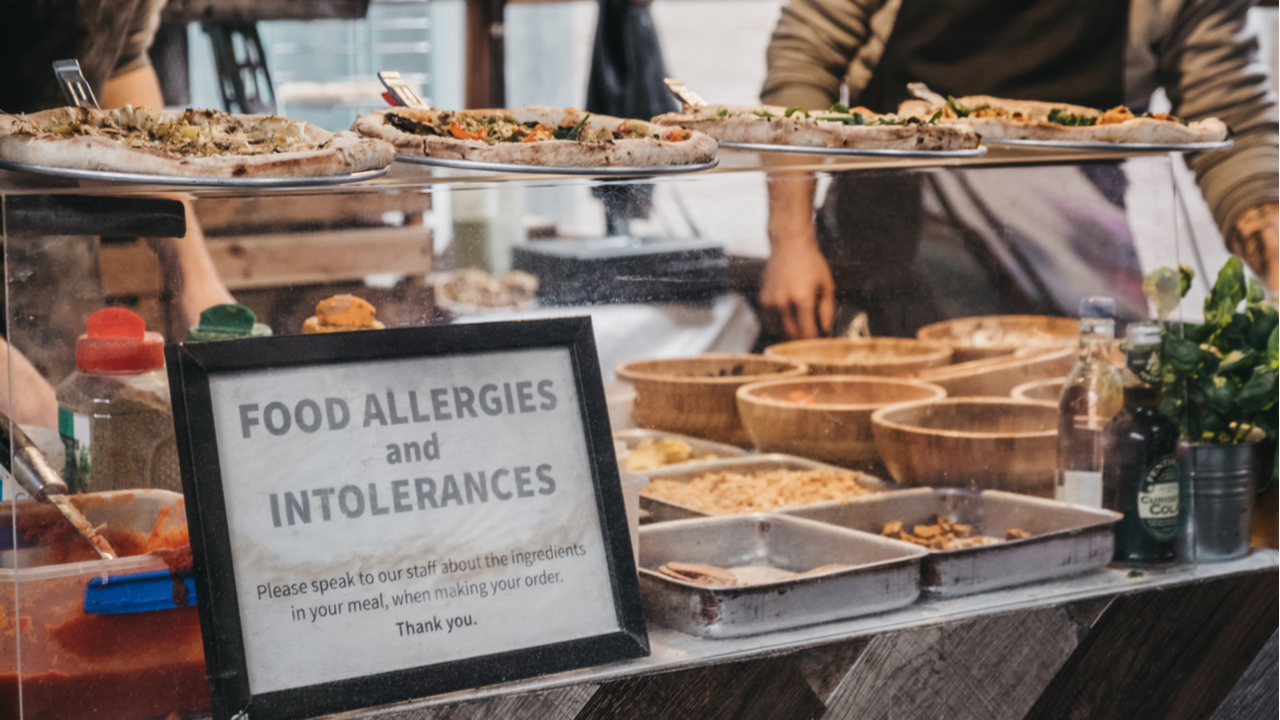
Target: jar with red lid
(113, 411)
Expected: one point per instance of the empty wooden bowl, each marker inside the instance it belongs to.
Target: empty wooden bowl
(863, 356)
(976, 338)
(998, 376)
(825, 417)
(974, 442)
(695, 395)
(1040, 390)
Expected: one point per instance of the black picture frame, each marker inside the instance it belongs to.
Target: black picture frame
(190, 367)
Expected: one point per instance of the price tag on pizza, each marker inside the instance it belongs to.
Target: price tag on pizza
(382, 515)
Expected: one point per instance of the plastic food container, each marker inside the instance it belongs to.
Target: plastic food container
(130, 666)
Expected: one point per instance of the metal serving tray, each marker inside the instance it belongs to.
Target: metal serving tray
(1065, 539)
(868, 152)
(664, 510)
(191, 180)
(1112, 147)
(553, 169)
(885, 574)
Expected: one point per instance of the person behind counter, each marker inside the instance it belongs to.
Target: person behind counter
(1097, 53)
(110, 38)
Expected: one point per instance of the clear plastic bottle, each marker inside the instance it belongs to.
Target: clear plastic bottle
(1091, 396)
(113, 411)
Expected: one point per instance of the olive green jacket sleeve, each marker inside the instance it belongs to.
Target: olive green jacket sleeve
(1207, 60)
(815, 47)
(1200, 51)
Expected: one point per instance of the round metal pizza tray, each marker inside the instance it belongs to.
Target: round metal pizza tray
(554, 169)
(1112, 147)
(189, 181)
(867, 152)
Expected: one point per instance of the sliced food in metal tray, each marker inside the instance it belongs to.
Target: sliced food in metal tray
(874, 574)
(1061, 539)
(684, 498)
(667, 449)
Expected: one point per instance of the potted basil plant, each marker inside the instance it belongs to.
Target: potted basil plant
(1220, 387)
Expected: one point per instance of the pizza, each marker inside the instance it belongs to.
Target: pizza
(536, 135)
(203, 143)
(1034, 120)
(839, 127)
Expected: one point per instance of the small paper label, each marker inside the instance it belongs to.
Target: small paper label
(1080, 488)
(1158, 500)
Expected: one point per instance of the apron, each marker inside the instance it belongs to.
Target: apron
(1069, 51)
(869, 227)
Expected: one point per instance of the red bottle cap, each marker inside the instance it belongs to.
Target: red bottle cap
(117, 341)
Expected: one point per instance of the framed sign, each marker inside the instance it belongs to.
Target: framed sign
(383, 515)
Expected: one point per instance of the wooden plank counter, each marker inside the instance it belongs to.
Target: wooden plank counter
(1187, 642)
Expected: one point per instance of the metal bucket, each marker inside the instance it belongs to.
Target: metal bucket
(1218, 487)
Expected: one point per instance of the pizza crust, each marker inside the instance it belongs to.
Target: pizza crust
(345, 153)
(630, 152)
(1036, 126)
(742, 125)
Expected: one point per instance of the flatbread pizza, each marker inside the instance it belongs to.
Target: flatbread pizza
(838, 127)
(1034, 120)
(536, 135)
(201, 143)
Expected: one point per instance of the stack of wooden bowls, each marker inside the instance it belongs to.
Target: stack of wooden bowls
(895, 357)
(696, 395)
(825, 417)
(978, 442)
(979, 338)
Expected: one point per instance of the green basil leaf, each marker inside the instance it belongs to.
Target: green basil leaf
(793, 110)
(1184, 356)
(933, 119)
(1227, 293)
(840, 108)
(722, 112)
(1273, 358)
(1163, 286)
(1259, 393)
(1263, 319)
(1238, 361)
(1187, 274)
(1220, 396)
(1255, 293)
(765, 114)
(570, 133)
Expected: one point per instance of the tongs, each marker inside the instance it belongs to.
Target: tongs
(31, 469)
(399, 94)
(690, 98)
(74, 87)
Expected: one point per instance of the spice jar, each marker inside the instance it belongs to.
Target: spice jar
(113, 411)
(229, 321)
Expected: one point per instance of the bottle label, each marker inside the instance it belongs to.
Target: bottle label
(1158, 499)
(74, 429)
(1145, 363)
(1080, 488)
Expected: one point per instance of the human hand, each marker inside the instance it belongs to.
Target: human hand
(1256, 239)
(798, 292)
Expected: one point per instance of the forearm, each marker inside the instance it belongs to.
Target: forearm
(139, 88)
(791, 211)
(24, 393)
(1256, 239)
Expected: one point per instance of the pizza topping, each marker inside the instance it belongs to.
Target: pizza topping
(494, 129)
(195, 132)
(1115, 116)
(1062, 117)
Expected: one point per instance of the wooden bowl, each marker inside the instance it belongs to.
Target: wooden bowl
(976, 338)
(836, 427)
(976, 442)
(1040, 390)
(998, 376)
(863, 356)
(690, 396)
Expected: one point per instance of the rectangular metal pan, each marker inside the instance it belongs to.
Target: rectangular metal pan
(665, 510)
(884, 574)
(1065, 539)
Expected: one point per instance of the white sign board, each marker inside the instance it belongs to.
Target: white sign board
(406, 512)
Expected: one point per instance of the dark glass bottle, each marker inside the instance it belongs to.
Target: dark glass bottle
(1140, 475)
